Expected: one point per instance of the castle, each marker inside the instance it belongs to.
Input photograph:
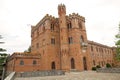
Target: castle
(61, 44)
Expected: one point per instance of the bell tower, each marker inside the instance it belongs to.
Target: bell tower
(63, 38)
(62, 15)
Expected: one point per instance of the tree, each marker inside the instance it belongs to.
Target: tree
(3, 57)
(1, 38)
(1, 49)
(118, 44)
(28, 50)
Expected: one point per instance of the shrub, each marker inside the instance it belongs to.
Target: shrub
(98, 66)
(94, 68)
(108, 65)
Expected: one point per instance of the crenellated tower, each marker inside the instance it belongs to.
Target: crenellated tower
(63, 37)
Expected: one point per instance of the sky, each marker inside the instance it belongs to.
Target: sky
(17, 16)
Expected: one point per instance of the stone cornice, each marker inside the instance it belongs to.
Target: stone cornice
(24, 55)
(98, 44)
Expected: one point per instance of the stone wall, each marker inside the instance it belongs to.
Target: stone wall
(40, 73)
(109, 70)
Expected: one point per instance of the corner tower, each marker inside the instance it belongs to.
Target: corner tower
(63, 38)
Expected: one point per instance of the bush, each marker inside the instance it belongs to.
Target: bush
(94, 68)
(98, 66)
(108, 65)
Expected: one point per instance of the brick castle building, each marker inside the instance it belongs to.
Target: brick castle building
(61, 44)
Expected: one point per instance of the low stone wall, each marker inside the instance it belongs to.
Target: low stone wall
(40, 73)
(109, 70)
(10, 76)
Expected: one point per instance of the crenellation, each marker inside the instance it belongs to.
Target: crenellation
(76, 15)
(46, 17)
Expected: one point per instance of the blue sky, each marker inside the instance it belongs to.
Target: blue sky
(16, 16)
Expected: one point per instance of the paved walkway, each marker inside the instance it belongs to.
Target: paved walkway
(86, 75)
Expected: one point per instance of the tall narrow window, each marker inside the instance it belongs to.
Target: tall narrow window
(72, 63)
(52, 40)
(34, 62)
(85, 63)
(21, 62)
(53, 65)
(91, 48)
(69, 25)
(70, 40)
(80, 25)
(52, 27)
(94, 62)
(81, 38)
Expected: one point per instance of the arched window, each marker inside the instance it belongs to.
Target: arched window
(91, 48)
(52, 27)
(94, 62)
(34, 62)
(80, 25)
(72, 63)
(69, 25)
(81, 38)
(70, 40)
(21, 62)
(84, 63)
(53, 65)
(52, 40)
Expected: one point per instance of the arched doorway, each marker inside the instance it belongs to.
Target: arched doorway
(53, 65)
(84, 63)
(72, 63)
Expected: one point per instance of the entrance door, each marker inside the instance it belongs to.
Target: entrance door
(84, 63)
(53, 65)
(72, 63)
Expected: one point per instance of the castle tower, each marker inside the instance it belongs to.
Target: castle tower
(63, 37)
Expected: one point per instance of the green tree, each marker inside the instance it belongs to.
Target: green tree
(118, 44)
(28, 50)
(3, 57)
(1, 38)
(1, 49)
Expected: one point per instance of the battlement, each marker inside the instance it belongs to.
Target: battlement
(60, 6)
(61, 9)
(47, 16)
(76, 15)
